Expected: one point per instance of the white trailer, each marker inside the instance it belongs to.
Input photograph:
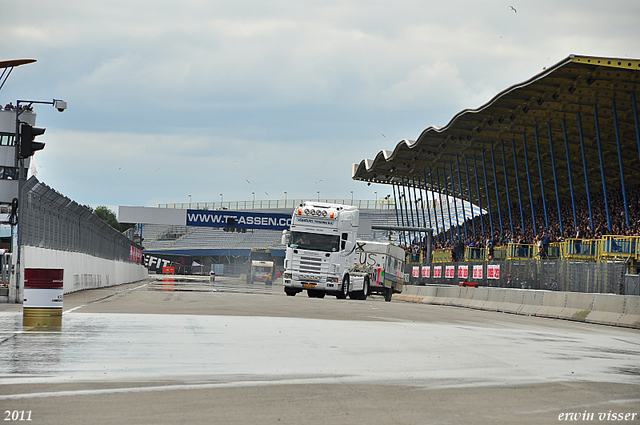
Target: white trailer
(384, 261)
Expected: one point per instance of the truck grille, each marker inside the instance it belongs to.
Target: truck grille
(310, 267)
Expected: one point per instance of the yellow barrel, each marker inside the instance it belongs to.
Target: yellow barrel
(41, 318)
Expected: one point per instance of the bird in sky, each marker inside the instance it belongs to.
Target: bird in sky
(513, 8)
(248, 181)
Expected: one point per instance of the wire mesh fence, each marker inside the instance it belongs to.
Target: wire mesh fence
(554, 275)
(53, 221)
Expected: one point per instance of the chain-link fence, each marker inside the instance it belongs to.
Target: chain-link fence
(53, 221)
(554, 275)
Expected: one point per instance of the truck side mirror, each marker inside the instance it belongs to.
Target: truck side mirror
(286, 238)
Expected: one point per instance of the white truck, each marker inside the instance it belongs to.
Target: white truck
(322, 251)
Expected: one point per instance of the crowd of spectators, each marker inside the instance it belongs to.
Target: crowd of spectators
(10, 107)
(582, 228)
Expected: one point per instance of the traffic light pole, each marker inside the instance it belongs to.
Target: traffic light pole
(22, 177)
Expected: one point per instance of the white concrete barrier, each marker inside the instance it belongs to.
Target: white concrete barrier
(495, 298)
(431, 292)
(607, 309)
(552, 304)
(631, 315)
(465, 297)
(82, 271)
(578, 306)
(512, 301)
(531, 302)
(480, 297)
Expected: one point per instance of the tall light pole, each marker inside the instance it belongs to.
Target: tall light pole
(60, 105)
(352, 197)
(285, 199)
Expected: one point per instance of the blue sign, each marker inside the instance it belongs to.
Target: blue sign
(238, 219)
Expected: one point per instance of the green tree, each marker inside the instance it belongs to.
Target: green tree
(109, 217)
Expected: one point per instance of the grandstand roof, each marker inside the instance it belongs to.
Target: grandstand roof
(576, 96)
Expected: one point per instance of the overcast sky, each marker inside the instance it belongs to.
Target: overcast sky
(168, 99)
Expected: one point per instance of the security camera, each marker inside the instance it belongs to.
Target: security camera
(60, 105)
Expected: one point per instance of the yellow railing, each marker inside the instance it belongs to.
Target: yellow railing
(475, 253)
(441, 256)
(521, 251)
(619, 247)
(581, 249)
(414, 258)
(276, 204)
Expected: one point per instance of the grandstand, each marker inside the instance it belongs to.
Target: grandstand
(553, 164)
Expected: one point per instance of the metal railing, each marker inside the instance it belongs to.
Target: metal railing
(53, 221)
(276, 204)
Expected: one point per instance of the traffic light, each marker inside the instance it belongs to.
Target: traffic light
(28, 145)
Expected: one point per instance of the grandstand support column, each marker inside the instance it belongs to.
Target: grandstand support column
(444, 232)
(584, 167)
(615, 127)
(409, 201)
(635, 119)
(506, 185)
(604, 184)
(526, 163)
(486, 187)
(423, 191)
(555, 179)
(435, 210)
(422, 196)
(406, 210)
(446, 191)
(566, 146)
(544, 200)
(455, 204)
(515, 166)
(473, 222)
(395, 207)
(495, 182)
(415, 200)
(464, 214)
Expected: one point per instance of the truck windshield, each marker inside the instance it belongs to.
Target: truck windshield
(326, 243)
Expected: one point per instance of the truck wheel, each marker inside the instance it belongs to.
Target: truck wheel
(290, 292)
(365, 289)
(320, 294)
(388, 294)
(345, 289)
(311, 293)
(361, 295)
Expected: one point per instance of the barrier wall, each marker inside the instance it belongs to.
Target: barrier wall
(605, 309)
(82, 271)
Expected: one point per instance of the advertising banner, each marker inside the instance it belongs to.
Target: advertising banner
(238, 219)
(463, 272)
(416, 271)
(477, 272)
(426, 271)
(493, 271)
(156, 263)
(437, 271)
(449, 272)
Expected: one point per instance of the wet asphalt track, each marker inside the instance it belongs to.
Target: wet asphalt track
(230, 352)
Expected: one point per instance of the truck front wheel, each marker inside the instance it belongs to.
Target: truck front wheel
(345, 289)
(290, 292)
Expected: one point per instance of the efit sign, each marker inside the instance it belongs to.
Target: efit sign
(238, 219)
